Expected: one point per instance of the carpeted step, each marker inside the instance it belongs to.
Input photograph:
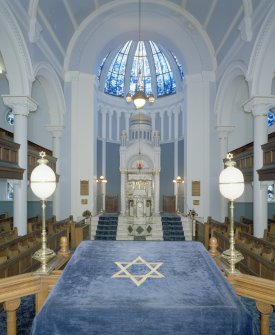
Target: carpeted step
(106, 228)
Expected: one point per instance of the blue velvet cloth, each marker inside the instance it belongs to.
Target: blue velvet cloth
(191, 296)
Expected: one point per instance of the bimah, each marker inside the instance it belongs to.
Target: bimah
(142, 288)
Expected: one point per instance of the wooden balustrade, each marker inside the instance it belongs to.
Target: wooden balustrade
(255, 288)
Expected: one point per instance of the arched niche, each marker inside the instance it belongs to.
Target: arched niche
(233, 92)
(262, 62)
(115, 23)
(15, 54)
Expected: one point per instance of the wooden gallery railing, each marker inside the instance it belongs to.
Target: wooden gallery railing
(13, 289)
(259, 289)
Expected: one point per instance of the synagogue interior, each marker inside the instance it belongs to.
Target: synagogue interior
(137, 158)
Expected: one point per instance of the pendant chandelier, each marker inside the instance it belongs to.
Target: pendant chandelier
(139, 98)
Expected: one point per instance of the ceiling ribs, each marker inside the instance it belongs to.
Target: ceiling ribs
(70, 14)
(229, 30)
(51, 31)
(210, 13)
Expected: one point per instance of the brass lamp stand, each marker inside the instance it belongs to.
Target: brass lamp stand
(43, 184)
(231, 182)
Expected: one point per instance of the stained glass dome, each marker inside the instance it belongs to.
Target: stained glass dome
(157, 65)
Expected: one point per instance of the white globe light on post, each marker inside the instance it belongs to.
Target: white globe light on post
(102, 180)
(231, 183)
(43, 185)
(178, 181)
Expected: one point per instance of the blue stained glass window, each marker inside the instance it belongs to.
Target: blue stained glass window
(270, 192)
(10, 190)
(179, 66)
(114, 83)
(10, 118)
(101, 67)
(165, 81)
(162, 83)
(140, 63)
(270, 118)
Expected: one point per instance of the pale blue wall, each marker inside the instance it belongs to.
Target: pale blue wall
(167, 171)
(112, 169)
(33, 208)
(246, 209)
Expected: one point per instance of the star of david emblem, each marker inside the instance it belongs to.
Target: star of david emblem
(138, 278)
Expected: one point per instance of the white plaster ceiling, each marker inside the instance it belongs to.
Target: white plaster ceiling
(222, 20)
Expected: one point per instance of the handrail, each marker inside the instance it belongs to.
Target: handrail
(259, 289)
(12, 289)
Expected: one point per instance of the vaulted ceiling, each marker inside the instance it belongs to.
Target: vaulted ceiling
(222, 20)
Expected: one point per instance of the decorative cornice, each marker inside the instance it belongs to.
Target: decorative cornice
(259, 105)
(20, 105)
(56, 131)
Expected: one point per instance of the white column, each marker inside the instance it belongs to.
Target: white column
(223, 132)
(21, 106)
(170, 125)
(162, 126)
(259, 106)
(156, 192)
(153, 118)
(127, 118)
(83, 141)
(56, 132)
(123, 193)
(176, 150)
(118, 114)
(104, 135)
(110, 125)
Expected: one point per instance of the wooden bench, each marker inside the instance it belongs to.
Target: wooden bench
(3, 215)
(6, 224)
(79, 231)
(258, 254)
(8, 235)
(202, 232)
(16, 256)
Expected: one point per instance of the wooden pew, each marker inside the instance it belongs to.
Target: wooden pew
(79, 231)
(6, 224)
(8, 235)
(16, 256)
(3, 215)
(34, 223)
(202, 232)
(258, 254)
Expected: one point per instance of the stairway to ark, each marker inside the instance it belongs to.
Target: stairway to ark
(106, 227)
(172, 228)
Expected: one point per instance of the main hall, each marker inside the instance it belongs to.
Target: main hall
(66, 70)
(136, 105)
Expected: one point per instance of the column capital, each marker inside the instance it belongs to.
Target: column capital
(224, 131)
(56, 131)
(20, 105)
(259, 105)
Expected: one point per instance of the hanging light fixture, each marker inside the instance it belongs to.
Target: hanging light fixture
(139, 98)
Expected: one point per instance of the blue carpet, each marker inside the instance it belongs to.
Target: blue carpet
(172, 227)
(107, 227)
